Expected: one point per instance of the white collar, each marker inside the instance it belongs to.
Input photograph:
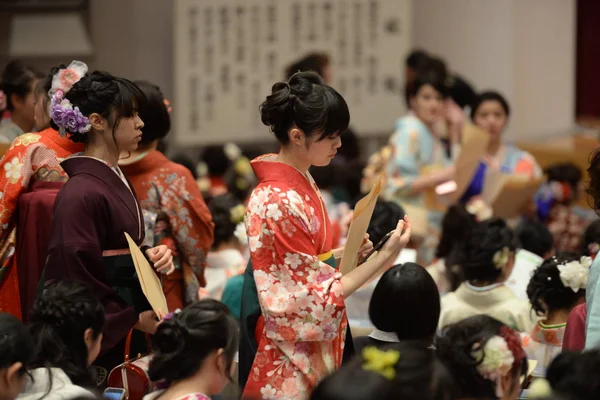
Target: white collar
(382, 336)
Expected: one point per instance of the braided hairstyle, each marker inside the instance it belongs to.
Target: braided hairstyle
(183, 342)
(419, 375)
(221, 210)
(476, 254)
(111, 97)
(546, 291)
(58, 322)
(454, 347)
(307, 103)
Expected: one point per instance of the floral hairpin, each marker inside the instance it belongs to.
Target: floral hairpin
(240, 233)
(501, 258)
(65, 116)
(171, 315)
(381, 362)
(479, 209)
(237, 213)
(167, 104)
(575, 274)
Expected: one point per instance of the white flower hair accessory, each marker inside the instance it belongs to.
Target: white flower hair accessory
(501, 258)
(496, 361)
(240, 233)
(62, 112)
(575, 274)
(479, 209)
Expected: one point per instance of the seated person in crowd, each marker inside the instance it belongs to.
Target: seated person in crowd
(555, 288)
(16, 352)
(405, 307)
(486, 260)
(485, 358)
(66, 325)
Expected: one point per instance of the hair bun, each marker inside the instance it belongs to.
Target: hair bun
(276, 108)
(170, 337)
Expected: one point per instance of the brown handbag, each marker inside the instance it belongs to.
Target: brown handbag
(132, 375)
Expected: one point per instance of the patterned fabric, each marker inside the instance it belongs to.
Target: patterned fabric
(301, 297)
(511, 160)
(497, 301)
(169, 195)
(543, 343)
(32, 157)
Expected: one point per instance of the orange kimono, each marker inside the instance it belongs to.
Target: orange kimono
(175, 215)
(33, 157)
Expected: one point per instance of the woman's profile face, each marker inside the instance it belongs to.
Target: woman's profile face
(320, 153)
(428, 104)
(129, 133)
(490, 116)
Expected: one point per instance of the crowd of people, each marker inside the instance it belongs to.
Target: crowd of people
(458, 304)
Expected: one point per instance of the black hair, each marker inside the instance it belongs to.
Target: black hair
(419, 375)
(185, 161)
(16, 344)
(461, 91)
(315, 62)
(182, 343)
(410, 292)
(101, 93)
(489, 96)
(455, 348)
(565, 172)
(475, 256)
(593, 189)
(546, 291)
(17, 79)
(58, 322)
(385, 218)
(417, 59)
(535, 237)
(574, 375)
(240, 179)
(430, 78)
(216, 160)
(220, 208)
(154, 113)
(591, 239)
(307, 103)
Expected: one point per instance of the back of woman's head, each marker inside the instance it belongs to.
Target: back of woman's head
(17, 80)
(574, 375)
(154, 113)
(475, 350)
(307, 103)
(591, 239)
(183, 342)
(485, 251)
(406, 293)
(535, 237)
(16, 344)
(456, 225)
(58, 323)
(227, 213)
(567, 172)
(558, 284)
(397, 372)
(101, 93)
(384, 220)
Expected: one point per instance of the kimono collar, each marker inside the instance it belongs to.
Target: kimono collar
(549, 334)
(65, 143)
(148, 163)
(80, 165)
(267, 169)
(488, 298)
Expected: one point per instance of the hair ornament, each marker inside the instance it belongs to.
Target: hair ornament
(575, 274)
(237, 213)
(240, 233)
(171, 314)
(479, 209)
(501, 258)
(62, 112)
(381, 362)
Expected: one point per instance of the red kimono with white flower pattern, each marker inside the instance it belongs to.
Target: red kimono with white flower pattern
(301, 297)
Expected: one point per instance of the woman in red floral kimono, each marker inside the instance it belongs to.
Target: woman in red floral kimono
(174, 209)
(31, 165)
(301, 324)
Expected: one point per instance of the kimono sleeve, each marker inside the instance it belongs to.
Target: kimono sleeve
(404, 164)
(13, 175)
(75, 253)
(301, 298)
(592, 329)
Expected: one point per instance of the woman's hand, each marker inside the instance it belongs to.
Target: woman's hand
(147, 322)
(162, 259)
(366, 247)
(398, 240)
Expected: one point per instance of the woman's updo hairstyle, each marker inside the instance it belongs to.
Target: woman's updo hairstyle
(102, 93)
(547, 292)
(307, 103)
(456, 346)
(183, 341)
(485, 250)
(58, 322)
(227, 212)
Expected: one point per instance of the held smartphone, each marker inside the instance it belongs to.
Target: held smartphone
(378, 246)
(114, 394)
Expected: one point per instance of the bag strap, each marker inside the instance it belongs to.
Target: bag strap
(128, 345)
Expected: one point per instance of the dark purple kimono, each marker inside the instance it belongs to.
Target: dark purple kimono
(91, 212)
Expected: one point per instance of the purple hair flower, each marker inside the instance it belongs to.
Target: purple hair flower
(67, 118)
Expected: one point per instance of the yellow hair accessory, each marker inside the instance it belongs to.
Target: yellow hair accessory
(381, 362)
(237, 213)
